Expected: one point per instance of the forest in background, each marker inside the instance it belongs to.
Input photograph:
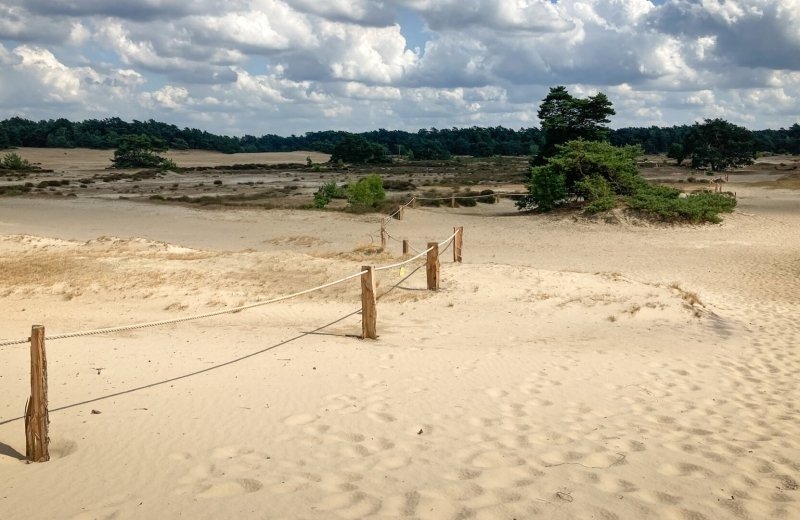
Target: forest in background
(430, 143)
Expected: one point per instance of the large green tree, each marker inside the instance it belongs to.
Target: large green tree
(139, 151)
(566, 118)
(719, 145)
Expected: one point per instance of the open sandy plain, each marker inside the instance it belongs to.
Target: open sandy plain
(567, 369)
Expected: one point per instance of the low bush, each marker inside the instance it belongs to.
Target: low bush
(14, 189)
(671, 207)
(603, 176)
(398, 185)
(488, 197)
(12, 161)
(433, 199)
(326, 193)
(367, 192)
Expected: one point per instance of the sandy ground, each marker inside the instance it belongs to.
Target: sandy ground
(566, 370)
(66, 159)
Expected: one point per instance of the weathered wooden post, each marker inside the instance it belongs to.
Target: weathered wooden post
(369, 310)
(405, 247)
(383, 236)
(452, 200)
(457, 243)
(432, 266)
(37, 439)
(400, 212)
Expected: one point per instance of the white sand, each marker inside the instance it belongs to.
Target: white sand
(555, 375)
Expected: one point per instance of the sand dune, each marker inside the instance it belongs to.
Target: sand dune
(566, 370)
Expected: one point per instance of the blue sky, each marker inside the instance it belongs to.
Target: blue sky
(291, 66)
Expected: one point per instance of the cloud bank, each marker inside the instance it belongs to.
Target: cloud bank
(290, 66)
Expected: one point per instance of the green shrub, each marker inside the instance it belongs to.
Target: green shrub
(488, 197)
(325, 193)
(398, 185)
(694, 208)
(12, 161)
(434, 199)
(14, 189)
(367, 192)
(548, 188)
(467, 203)
(168, 164)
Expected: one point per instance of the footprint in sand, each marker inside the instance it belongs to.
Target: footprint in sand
(355, 504)
(227, 471)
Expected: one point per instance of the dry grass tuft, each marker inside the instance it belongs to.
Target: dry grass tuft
(690, 299)
(633, 309)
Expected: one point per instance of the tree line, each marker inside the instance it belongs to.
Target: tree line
(425, 144)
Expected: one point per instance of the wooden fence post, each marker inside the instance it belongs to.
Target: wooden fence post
(383, 236)
(369, 310)
(457, 243)
(405, 247)
(432, 266)
(453, 200)
(37, 439)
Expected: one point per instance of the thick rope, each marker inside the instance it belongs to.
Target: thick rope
(233, 310)
(187, 318)
(496, 194)
(388, 219)
(404, 262)
(421, 254)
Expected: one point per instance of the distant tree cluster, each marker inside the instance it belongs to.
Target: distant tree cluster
(564, 117)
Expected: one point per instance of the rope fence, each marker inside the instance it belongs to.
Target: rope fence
(36, 412)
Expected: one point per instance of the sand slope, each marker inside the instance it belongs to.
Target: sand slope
(565, 370)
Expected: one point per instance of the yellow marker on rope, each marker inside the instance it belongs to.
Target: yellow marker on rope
(402, 270)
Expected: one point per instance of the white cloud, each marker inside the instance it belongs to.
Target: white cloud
(372, 54)
(294, 65)
(169, 97)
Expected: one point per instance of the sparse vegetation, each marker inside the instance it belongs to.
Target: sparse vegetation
(12, 161)
(326, 193)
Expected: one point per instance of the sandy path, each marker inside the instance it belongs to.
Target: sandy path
(556, 375)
